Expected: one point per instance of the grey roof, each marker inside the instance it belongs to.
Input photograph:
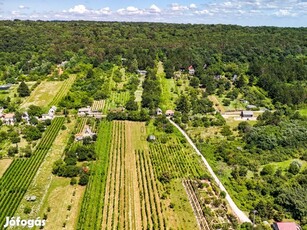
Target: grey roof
(247, 112)
(251, 106)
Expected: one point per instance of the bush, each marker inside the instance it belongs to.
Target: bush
(73, 181)
(83, 179)
(27, 210)
(267, 170)
(294, 167)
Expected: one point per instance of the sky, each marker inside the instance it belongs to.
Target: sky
(282, 13)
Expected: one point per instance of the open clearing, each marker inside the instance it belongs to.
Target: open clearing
(43, 94)
(303, 112)
(216, 104)
(4, 164)
(64, 201)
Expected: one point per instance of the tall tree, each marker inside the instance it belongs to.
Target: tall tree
(23, 90)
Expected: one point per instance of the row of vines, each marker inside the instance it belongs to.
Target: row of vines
(90, 216)
(63, 90)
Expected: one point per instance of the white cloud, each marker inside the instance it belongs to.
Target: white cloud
(285, 13)
(103, 11)
(79, 9)
(177, 7)
(192, 6)
(15, 12)
(130, 10)
(82, 10)
(203, 12)
(23, 7)
(154, 9)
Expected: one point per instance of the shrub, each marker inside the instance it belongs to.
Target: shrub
(27, 210)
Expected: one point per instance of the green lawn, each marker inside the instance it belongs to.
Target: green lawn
(303, 111)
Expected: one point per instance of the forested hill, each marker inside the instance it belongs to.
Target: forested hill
(274, 58)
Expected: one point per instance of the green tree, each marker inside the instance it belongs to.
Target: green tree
(84, 177)
(23, 90)
(183, 104)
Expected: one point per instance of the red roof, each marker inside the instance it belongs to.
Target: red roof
(191, 67)
(287, 226)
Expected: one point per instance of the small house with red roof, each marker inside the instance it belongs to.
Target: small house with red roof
(191, 70)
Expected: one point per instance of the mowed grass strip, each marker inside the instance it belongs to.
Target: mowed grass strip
(4, 164)
(43, 94)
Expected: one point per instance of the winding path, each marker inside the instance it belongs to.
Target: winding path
(241, 215)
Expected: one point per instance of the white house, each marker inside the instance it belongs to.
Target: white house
(50, 114)
(247, 114)
(84, 111)
(25, 117)
(142, 72)
(159, 111)
(87, 132)
(8, 119)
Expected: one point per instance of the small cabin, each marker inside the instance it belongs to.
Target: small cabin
(151, 138)
(191, 70)
(169, 113)
(247, 114)
(142, 72)
(31, 198)
(159, 111)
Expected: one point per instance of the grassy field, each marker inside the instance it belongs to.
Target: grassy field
(217, 105)
(43, 94)
(167, 85)
(64, 201)
(4, 164)
(12, 92)
(139, 92)
(43, 181)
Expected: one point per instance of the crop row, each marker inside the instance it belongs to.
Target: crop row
(115, 180)
(196, 204)
(175, 159)
(90, 216)
(63, 90)
(152, 216)
(98, 105)
(116, 99)
(16, 180)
